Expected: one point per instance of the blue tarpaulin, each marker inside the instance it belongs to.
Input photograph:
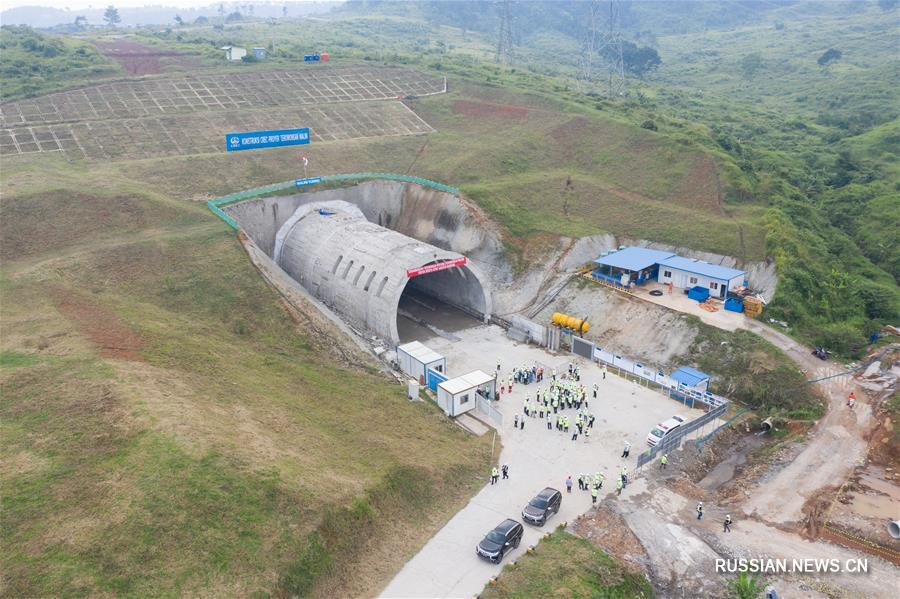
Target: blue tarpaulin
(690, 377)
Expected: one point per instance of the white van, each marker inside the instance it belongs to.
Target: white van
(664, 429)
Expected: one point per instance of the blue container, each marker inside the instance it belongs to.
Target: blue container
(698, 293)
(311, 58)
(734, 304)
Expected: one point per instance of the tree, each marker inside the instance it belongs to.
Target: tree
(111, 16)
(201, 20)
(81, 22)
(178, 20)
(221, 10)
(284, 10)
(637, 60)
(235, 16)
(829, 56)
(745, 587)
(750, 64)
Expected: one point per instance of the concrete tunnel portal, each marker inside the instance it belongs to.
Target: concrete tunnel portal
(371, 275)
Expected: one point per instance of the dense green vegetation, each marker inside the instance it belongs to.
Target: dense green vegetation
(569, 566)
(754, 372)
(33, 63)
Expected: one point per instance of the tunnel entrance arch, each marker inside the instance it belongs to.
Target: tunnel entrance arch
(449, 299)
(363, 270)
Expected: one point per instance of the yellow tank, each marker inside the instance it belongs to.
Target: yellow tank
(570, 322)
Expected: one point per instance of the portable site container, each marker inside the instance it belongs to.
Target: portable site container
(691, 377)
(415, 359)
(459, 395)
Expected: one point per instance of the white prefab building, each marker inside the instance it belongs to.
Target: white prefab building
(234, 53)
(459, 395)
(685, 273)
(415, 359)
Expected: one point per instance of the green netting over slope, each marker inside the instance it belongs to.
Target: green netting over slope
(216, 204)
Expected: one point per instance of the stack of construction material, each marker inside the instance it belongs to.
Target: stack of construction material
(753, 306)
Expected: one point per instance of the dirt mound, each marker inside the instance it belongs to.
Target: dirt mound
(100, 325)
(487, 110)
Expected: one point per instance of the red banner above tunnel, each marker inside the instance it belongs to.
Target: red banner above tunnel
(430, 268)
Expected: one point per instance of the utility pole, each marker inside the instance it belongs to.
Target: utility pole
(505, 37)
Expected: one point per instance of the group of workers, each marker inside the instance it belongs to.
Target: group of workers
(522, 375)
(562, 394)
(593, 483)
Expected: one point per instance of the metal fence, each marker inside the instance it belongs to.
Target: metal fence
(673, 440)
(626, 367)
(484, 406)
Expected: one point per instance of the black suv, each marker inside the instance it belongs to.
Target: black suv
(507, 534)
(545, 504)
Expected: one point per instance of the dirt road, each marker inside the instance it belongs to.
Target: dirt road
(683, 550)
(837, 445)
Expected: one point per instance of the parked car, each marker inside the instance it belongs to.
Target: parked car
(545, 504)
(663, 430)
(507, 535)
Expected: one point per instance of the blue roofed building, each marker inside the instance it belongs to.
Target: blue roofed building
(686, 273)
(691, 377)
(629, 266)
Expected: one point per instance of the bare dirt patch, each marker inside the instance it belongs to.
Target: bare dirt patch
(608, 530)
(489, 110)
(100, 325)
(138, 59)
(23, 462)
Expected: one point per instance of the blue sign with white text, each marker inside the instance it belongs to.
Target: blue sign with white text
(266, 139)
(308, 181)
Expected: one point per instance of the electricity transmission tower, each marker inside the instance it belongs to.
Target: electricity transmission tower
(505, 35)
(587, 76)
(603, 44)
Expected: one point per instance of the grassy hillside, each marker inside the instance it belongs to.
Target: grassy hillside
(32, 63)
(568, 566)
(170, 428)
